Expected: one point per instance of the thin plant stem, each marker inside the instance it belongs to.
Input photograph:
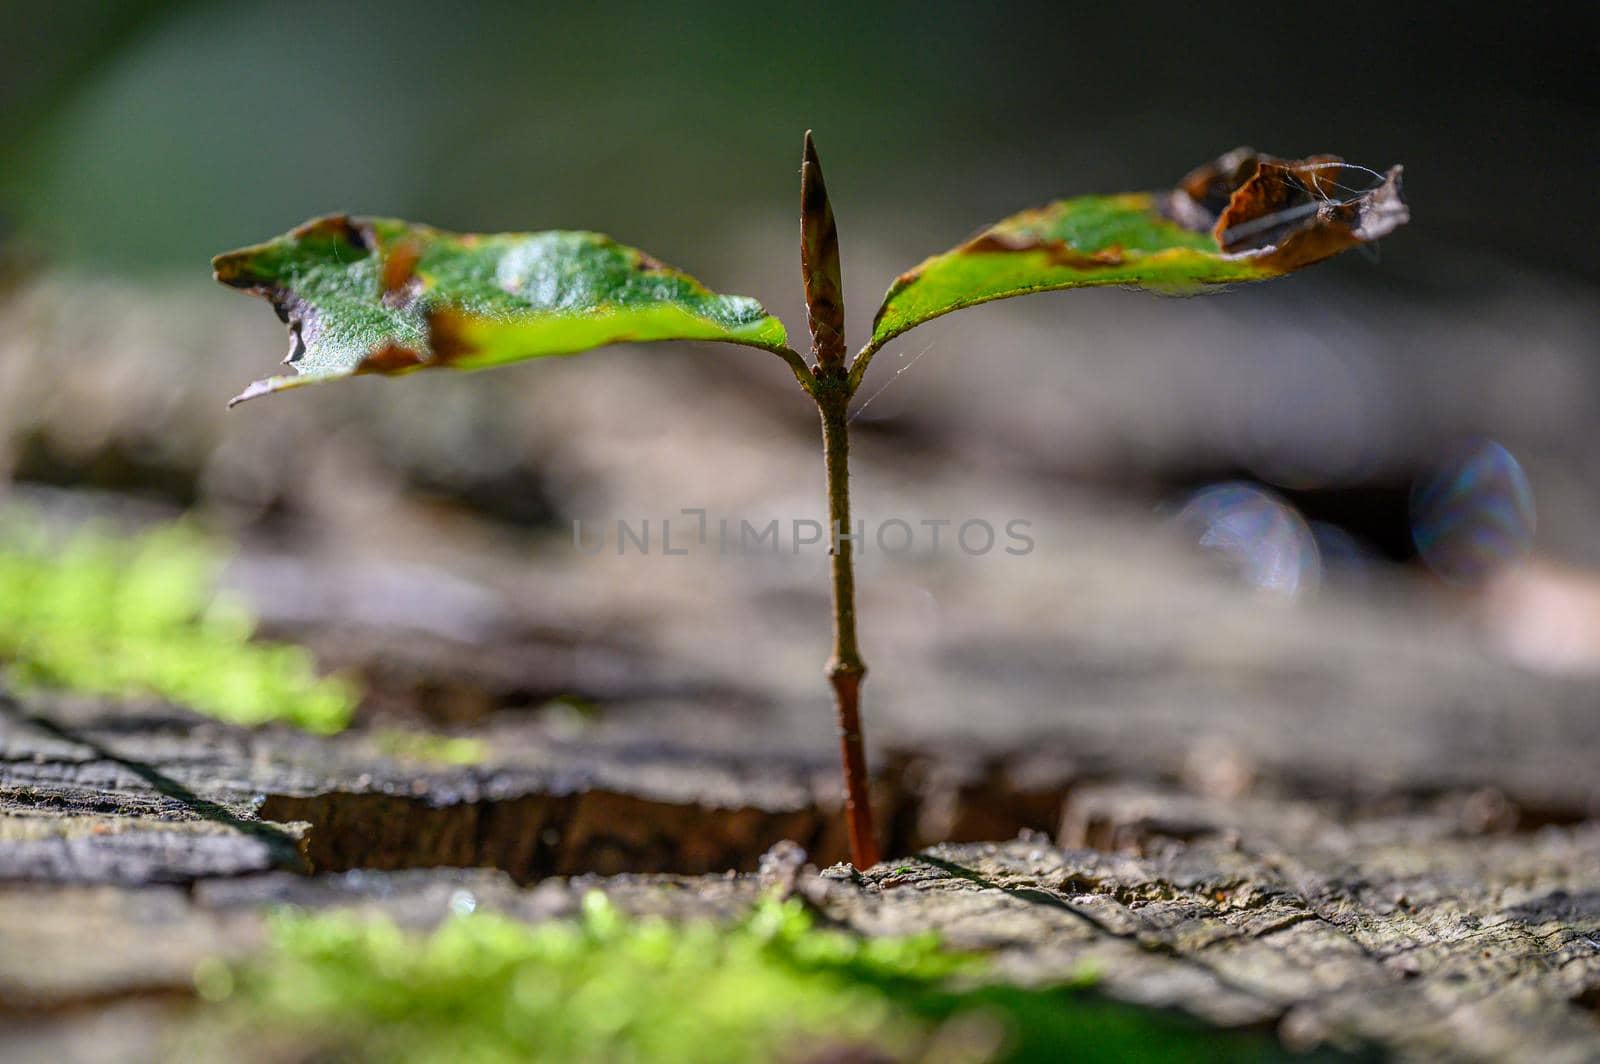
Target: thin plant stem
(831, 388)
(845, 669)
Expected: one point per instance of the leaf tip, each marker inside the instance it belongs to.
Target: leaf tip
(229, 268)
(1285, 214)
(254, 391)
(1386, 209)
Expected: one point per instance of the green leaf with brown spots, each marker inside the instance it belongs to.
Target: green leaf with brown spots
(378, 295)
(1245, 217)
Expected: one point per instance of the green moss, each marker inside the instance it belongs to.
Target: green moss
(427, 747)
(139, 616)
(486, 988)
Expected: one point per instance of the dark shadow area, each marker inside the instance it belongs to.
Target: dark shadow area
(1582, 907)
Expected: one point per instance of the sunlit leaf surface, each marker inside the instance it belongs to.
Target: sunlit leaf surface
(1245, 217)
(378, 295)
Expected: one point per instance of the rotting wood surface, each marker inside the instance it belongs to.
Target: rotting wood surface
(1447, 925)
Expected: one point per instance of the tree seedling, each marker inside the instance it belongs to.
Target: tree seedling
(382, 296)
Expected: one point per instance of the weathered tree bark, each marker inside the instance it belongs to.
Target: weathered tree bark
(150, 794)
(1445, 925)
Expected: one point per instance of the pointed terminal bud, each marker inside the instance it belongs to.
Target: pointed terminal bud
(819, 263)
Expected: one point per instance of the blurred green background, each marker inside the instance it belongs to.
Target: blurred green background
(148, 134)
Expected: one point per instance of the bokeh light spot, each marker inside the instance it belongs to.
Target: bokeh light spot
(1254, 534)
(1472, 513)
